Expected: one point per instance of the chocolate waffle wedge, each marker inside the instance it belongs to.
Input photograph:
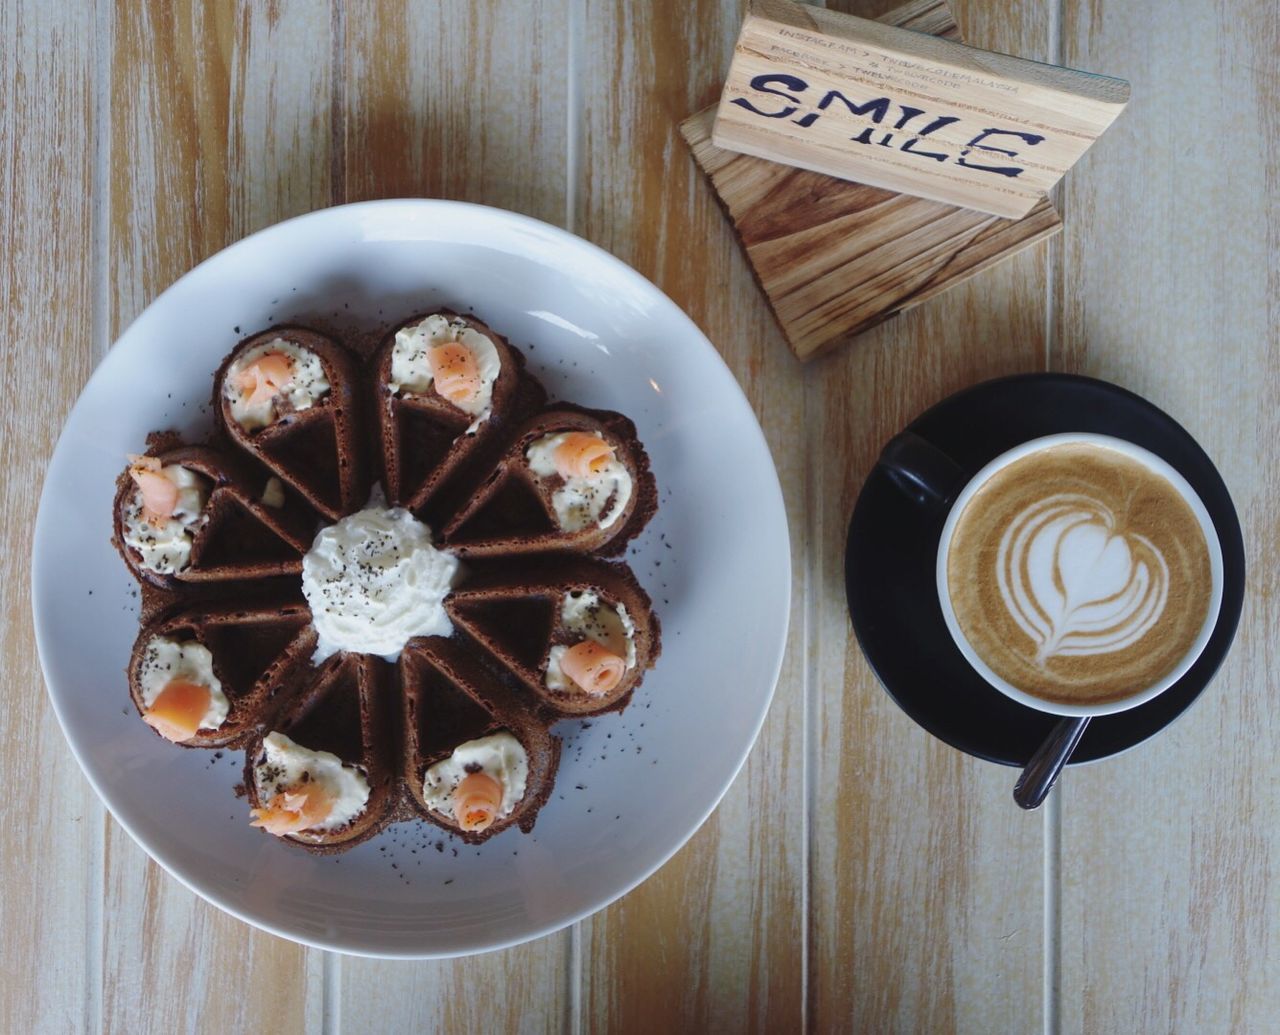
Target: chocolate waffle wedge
(288, 397)
(572, 479)
(191, 514)
(577, 632)
(211, 677)
(324, 777)
(477, 760)
(445, 385)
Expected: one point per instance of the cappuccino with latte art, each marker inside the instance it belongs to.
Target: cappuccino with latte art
(1080, 575)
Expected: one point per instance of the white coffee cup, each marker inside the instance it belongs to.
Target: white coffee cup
(1154, 464)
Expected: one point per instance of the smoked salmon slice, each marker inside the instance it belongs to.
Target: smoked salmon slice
(177, 710)
(296, 808)
(159, 494)
(263, 378)
(593, 667)
(581, 455)
(454, 370)
(476, 801)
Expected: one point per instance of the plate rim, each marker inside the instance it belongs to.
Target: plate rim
(773, 492)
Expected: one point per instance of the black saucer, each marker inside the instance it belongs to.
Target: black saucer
(893, 543)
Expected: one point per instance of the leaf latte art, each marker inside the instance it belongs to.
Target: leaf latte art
(1078, 575)
(1073, 583)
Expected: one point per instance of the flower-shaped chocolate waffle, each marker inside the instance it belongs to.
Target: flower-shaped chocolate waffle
(375, 672)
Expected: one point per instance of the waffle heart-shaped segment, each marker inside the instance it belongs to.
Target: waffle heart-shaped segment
(254, 652)
(451, 699)
(529, 616)
(238, 536)
(528, 505)
(425, 439)
(316, 448)
(343, 709)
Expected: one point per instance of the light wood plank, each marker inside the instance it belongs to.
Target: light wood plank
(713, 941)
(927, 906)
(927, 896)
(1170, 916)
(49, 932)
(525, 989)
(462, 101)
(457, 100)
(214, 136)
(170, 959)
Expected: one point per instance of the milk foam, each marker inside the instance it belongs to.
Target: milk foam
(1074, 584)
(1078, 575)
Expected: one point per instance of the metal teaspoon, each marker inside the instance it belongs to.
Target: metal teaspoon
(1041, 772)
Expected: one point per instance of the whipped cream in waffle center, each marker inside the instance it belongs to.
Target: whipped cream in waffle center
(375, 580)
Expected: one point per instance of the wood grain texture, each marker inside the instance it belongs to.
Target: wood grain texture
(927, 896)
(712, 942)
(48, 917)
(457, 100)
(212, 137)
(169, 959)
(835, 257)
(1170, 914)
(525, 990)
(464, 101)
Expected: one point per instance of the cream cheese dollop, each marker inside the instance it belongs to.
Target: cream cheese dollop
(411, 369)
(286, 765)
(165, 548)
(165, 659)
(374, 580)
(308, 386)
(584, 616)
(499, 755)
(597, 499)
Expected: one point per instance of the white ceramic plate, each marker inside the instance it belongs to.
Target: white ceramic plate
(631, 788)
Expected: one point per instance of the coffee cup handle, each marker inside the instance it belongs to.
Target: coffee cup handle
(921, 470)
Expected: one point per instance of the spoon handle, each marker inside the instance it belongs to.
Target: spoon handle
(1041, 772)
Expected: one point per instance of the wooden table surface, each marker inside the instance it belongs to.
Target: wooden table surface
(859, 875)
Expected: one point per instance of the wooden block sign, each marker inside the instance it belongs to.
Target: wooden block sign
(906, 111)
(836, 257)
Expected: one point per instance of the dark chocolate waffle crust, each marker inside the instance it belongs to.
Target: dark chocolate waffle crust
(271, 489)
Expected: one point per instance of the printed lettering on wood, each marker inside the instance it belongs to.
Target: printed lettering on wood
(906, 111)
